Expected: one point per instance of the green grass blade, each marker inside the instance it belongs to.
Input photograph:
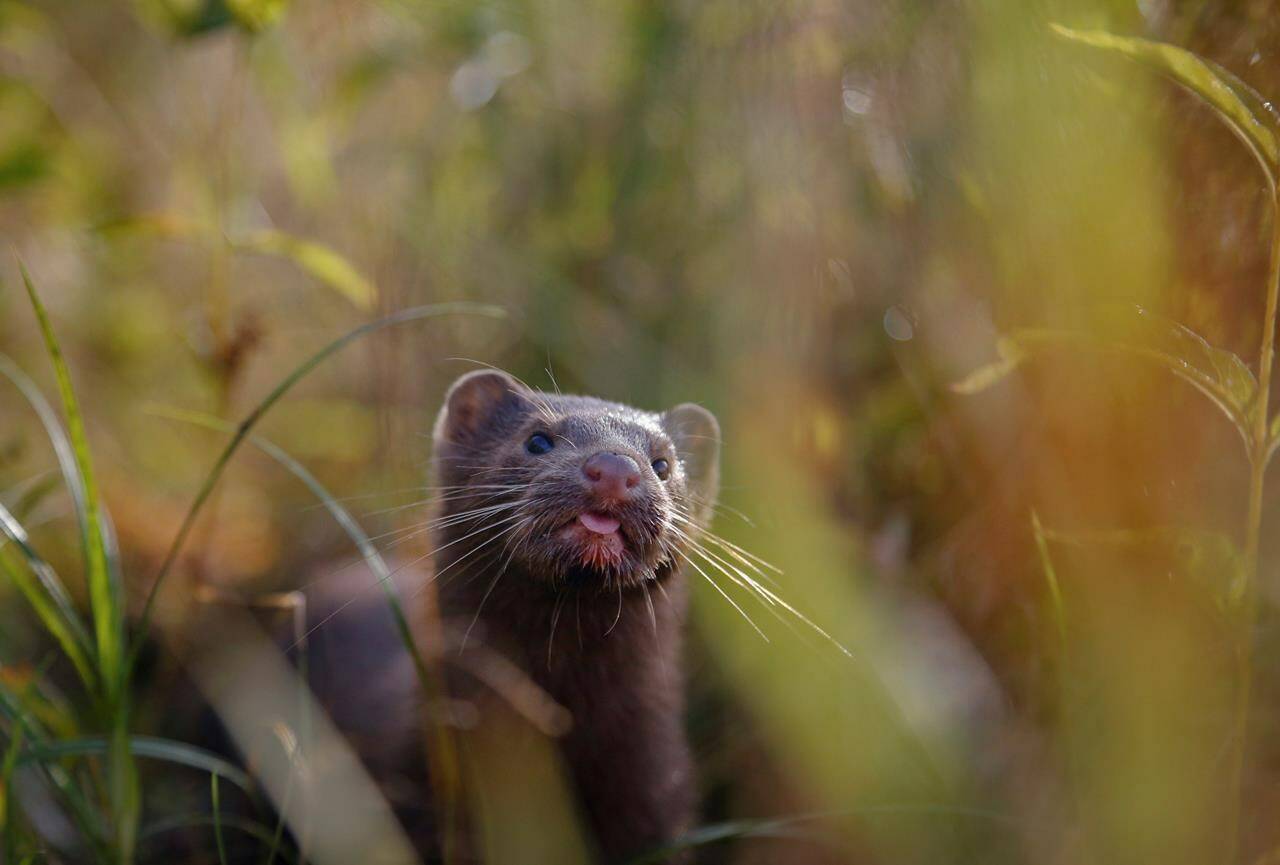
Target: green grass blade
(47, 597)
(150, 747)
(217, 819)
(246, 425)
(105, 600)
(104, 591)
(1253, 119)
(318, 260)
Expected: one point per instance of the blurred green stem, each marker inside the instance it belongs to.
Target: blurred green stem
(1259, 448)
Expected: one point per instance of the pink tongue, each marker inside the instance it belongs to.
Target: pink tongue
(599, 524)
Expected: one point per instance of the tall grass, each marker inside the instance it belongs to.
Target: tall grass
(1219, 375)
(810, 216)
(106, 806)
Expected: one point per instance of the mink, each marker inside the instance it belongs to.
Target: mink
(559, 531)
(562, 527)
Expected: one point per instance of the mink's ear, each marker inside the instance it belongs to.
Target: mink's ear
(478, 400)
(696, 435)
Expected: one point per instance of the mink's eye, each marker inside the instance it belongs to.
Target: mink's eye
(538, 444)
(661, 468)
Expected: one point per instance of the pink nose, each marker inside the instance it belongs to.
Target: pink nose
(610, 475)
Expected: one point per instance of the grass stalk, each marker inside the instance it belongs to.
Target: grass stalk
(217, 819)
(1259, 451)
(104, 591)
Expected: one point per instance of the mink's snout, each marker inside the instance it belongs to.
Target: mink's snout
(611, 476)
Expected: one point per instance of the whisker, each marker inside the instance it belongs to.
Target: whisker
(499, 488)
(436, 576)
(525, 521)
(363, 496)
(766, 596)
(466, 636)
(555, 618)
(618, 617)
(653, 615)
(446, 521)
(725, 595)
(381, 580)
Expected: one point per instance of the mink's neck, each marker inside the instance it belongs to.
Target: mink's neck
(613, 660)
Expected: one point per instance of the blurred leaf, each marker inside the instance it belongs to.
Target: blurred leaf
(166, 225)
(1218, 374)
(23, 165)
(185, 17)
(316, 259)
(1011, 356)
(257, 15)
(197, 17)
(1253, 119)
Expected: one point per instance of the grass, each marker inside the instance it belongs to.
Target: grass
(1223, 378)
(106, 806)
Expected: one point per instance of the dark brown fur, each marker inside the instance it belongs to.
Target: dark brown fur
(603, 640)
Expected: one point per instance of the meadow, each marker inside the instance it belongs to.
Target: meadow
(983, 294)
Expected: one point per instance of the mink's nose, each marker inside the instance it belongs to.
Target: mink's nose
(611, 475)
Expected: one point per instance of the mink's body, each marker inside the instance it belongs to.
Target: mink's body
(562, 531)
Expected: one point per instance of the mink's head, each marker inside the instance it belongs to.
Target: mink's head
(573, 490)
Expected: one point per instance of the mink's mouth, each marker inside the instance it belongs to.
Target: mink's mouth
(596, 540)
(600, 524)
(584, 541)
